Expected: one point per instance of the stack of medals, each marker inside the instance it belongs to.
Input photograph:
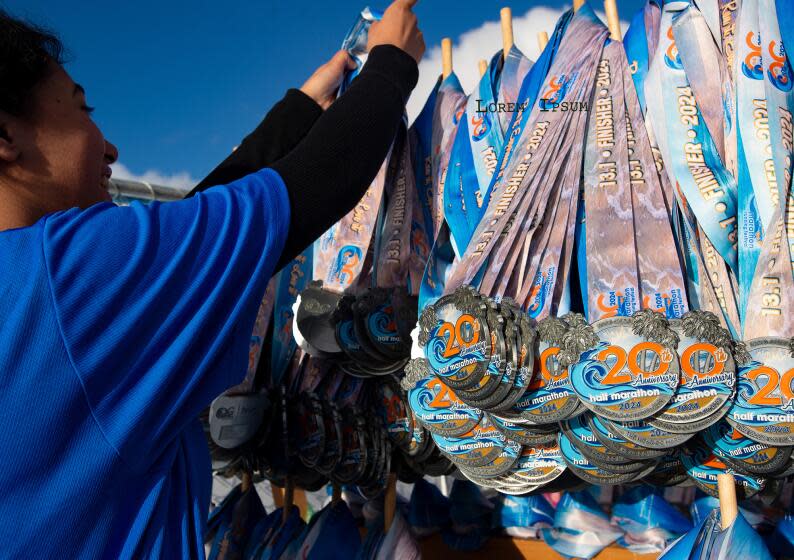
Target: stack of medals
(474, 379)
(630, 181)
(515, 390)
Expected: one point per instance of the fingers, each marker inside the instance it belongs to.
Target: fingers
(399, 27)
(341, 61)
(340, 57)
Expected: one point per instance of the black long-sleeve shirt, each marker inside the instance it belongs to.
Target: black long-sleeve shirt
(327, 160)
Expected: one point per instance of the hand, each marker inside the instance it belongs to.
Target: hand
(398, 27)
(324, 83)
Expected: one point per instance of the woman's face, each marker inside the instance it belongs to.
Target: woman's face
(64, 160)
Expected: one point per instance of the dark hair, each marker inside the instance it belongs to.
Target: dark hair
(25, 52)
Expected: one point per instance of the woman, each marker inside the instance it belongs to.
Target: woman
(118, 325)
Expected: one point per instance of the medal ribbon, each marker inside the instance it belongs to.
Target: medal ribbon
(340, 253)
(770, 309)
(422, 227)
(542, 287)
(708, 77)
(758, 193)
(637, 50)
(393, 247)
(661, 281)
(290, 281)
(542, 129)
(707, 185)
(514, 73)
(261, 324)
(442, 255)
(475, 153)
(779, 87)
(706, 191)
(612, 277)
(449, 107)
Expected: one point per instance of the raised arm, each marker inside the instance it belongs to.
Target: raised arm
(329, 171)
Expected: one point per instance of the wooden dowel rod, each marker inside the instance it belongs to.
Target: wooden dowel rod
(613, 19)
(246, 481)
(543, 40)
(389, 502)
(446, 57)
(278, 495)
(301, 502)
(483, 67)
(729, 508)
(577, 4)
(507, 30)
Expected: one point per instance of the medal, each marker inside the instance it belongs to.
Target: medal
(618, 445)
(708, 372)
(549, 397)
(583, 468)
(477, 448)
(703, 467)
(744, 454)
(670, 471)
(527, 434)
(456, 339)
(764, 406)
(645, 435)
(439, 409)
(625, 377)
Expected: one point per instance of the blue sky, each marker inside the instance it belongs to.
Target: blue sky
(178, 83)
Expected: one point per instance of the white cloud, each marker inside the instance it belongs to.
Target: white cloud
(481, 43)
(182, 181)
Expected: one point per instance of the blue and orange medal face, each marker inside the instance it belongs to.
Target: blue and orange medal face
(588, 471)
(346, 335)
(641, 433)
(535, 466)
(482, 446)
(549, 398)
(459, 343)
(539, 464)
(497, 380)
(625, 377)
(704, 467)
(764, 406)
(439, 409)
(708, 380)
(583, 439)
(613, 442)
(744, 454)
(394, 413)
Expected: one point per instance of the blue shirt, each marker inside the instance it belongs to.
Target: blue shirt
(118, 325)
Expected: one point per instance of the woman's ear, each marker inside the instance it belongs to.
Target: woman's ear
(9, 149)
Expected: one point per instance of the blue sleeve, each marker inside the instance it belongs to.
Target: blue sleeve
(156, 303)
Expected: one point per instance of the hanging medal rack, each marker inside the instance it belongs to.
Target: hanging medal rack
(566, 313)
